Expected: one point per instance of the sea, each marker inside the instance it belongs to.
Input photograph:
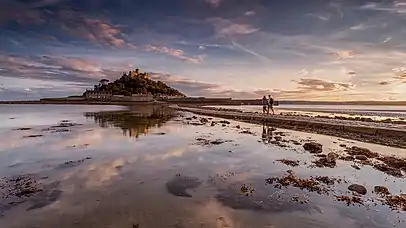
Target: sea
(152, 167)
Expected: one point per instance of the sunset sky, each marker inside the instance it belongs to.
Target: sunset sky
(292, 49)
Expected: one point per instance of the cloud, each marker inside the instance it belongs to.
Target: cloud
(320, 17)
(400, 72)
(227, 28)
(387, 40)
(94, 30)
(396, 7)
(175, 53)
(359, 27)
(64, 68)
(303, 72)
(251, 52)
(250, 13)
(346, 54)
(187, 86)
(312, 84)
(214, 3)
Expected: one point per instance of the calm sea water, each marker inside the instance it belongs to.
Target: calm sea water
(147, 167)
(373, 111)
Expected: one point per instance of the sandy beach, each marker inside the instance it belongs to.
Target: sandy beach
(372, 132)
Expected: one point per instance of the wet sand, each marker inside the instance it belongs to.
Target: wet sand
(379, 133)
(152, 167)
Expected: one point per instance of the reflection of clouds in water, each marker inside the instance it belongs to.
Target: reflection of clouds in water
(100, 173)
(175, 152)
(13, 139)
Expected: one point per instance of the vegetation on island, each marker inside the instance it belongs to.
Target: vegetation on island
(135, 82)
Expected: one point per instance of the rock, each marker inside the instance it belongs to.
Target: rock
(358, 189)
(213, 124)
(361, 157)
(204, 120)
(343, 145)
(238, 127)
(381, 190)
(314, 148)
(361, 151)
(278, 138)
(331, 157)
(355, 167)
(388, 170)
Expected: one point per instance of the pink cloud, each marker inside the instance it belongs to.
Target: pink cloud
(97, 31)
(173, 52)
(227, 28)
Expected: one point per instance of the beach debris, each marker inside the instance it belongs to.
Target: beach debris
(381, 190)
(347, 158)
(32, 136)
(350, 200)
(310, 184)
(19, 186)
(361, 151)
(73, 163)
(160, 133)
(278, 138)
(322, 162)
(289, 162)
(247, 132)
(313, 147)
(204, 120)
(65, 124)
(358, 189)
(224, 122)
(295, 142)
(388, 170)
(247, 190)
(394, 162)
(80, 146)
(179, 185)
(22, 129)
(355, 167)
(396, 202)
(207, 142)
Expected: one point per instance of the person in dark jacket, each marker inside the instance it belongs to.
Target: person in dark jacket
(270, 105)
(264, 105)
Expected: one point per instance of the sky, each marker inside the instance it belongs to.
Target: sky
(291, 49)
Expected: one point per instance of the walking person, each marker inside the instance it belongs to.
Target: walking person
(270, 104)
(264, 105)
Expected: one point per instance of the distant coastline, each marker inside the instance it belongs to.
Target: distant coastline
(201, 101)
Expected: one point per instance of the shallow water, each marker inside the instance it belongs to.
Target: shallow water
(151, 167)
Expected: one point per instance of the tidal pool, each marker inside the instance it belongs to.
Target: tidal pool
(149, 166)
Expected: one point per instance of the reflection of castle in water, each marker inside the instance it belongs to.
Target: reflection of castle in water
(134, 122)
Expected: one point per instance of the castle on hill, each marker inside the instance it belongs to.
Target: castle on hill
(134, 74)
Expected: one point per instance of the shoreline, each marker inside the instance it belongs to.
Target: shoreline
(388, 134)
(376, 133)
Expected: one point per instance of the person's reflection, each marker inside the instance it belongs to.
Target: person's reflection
(269, 133)
(266, 134)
